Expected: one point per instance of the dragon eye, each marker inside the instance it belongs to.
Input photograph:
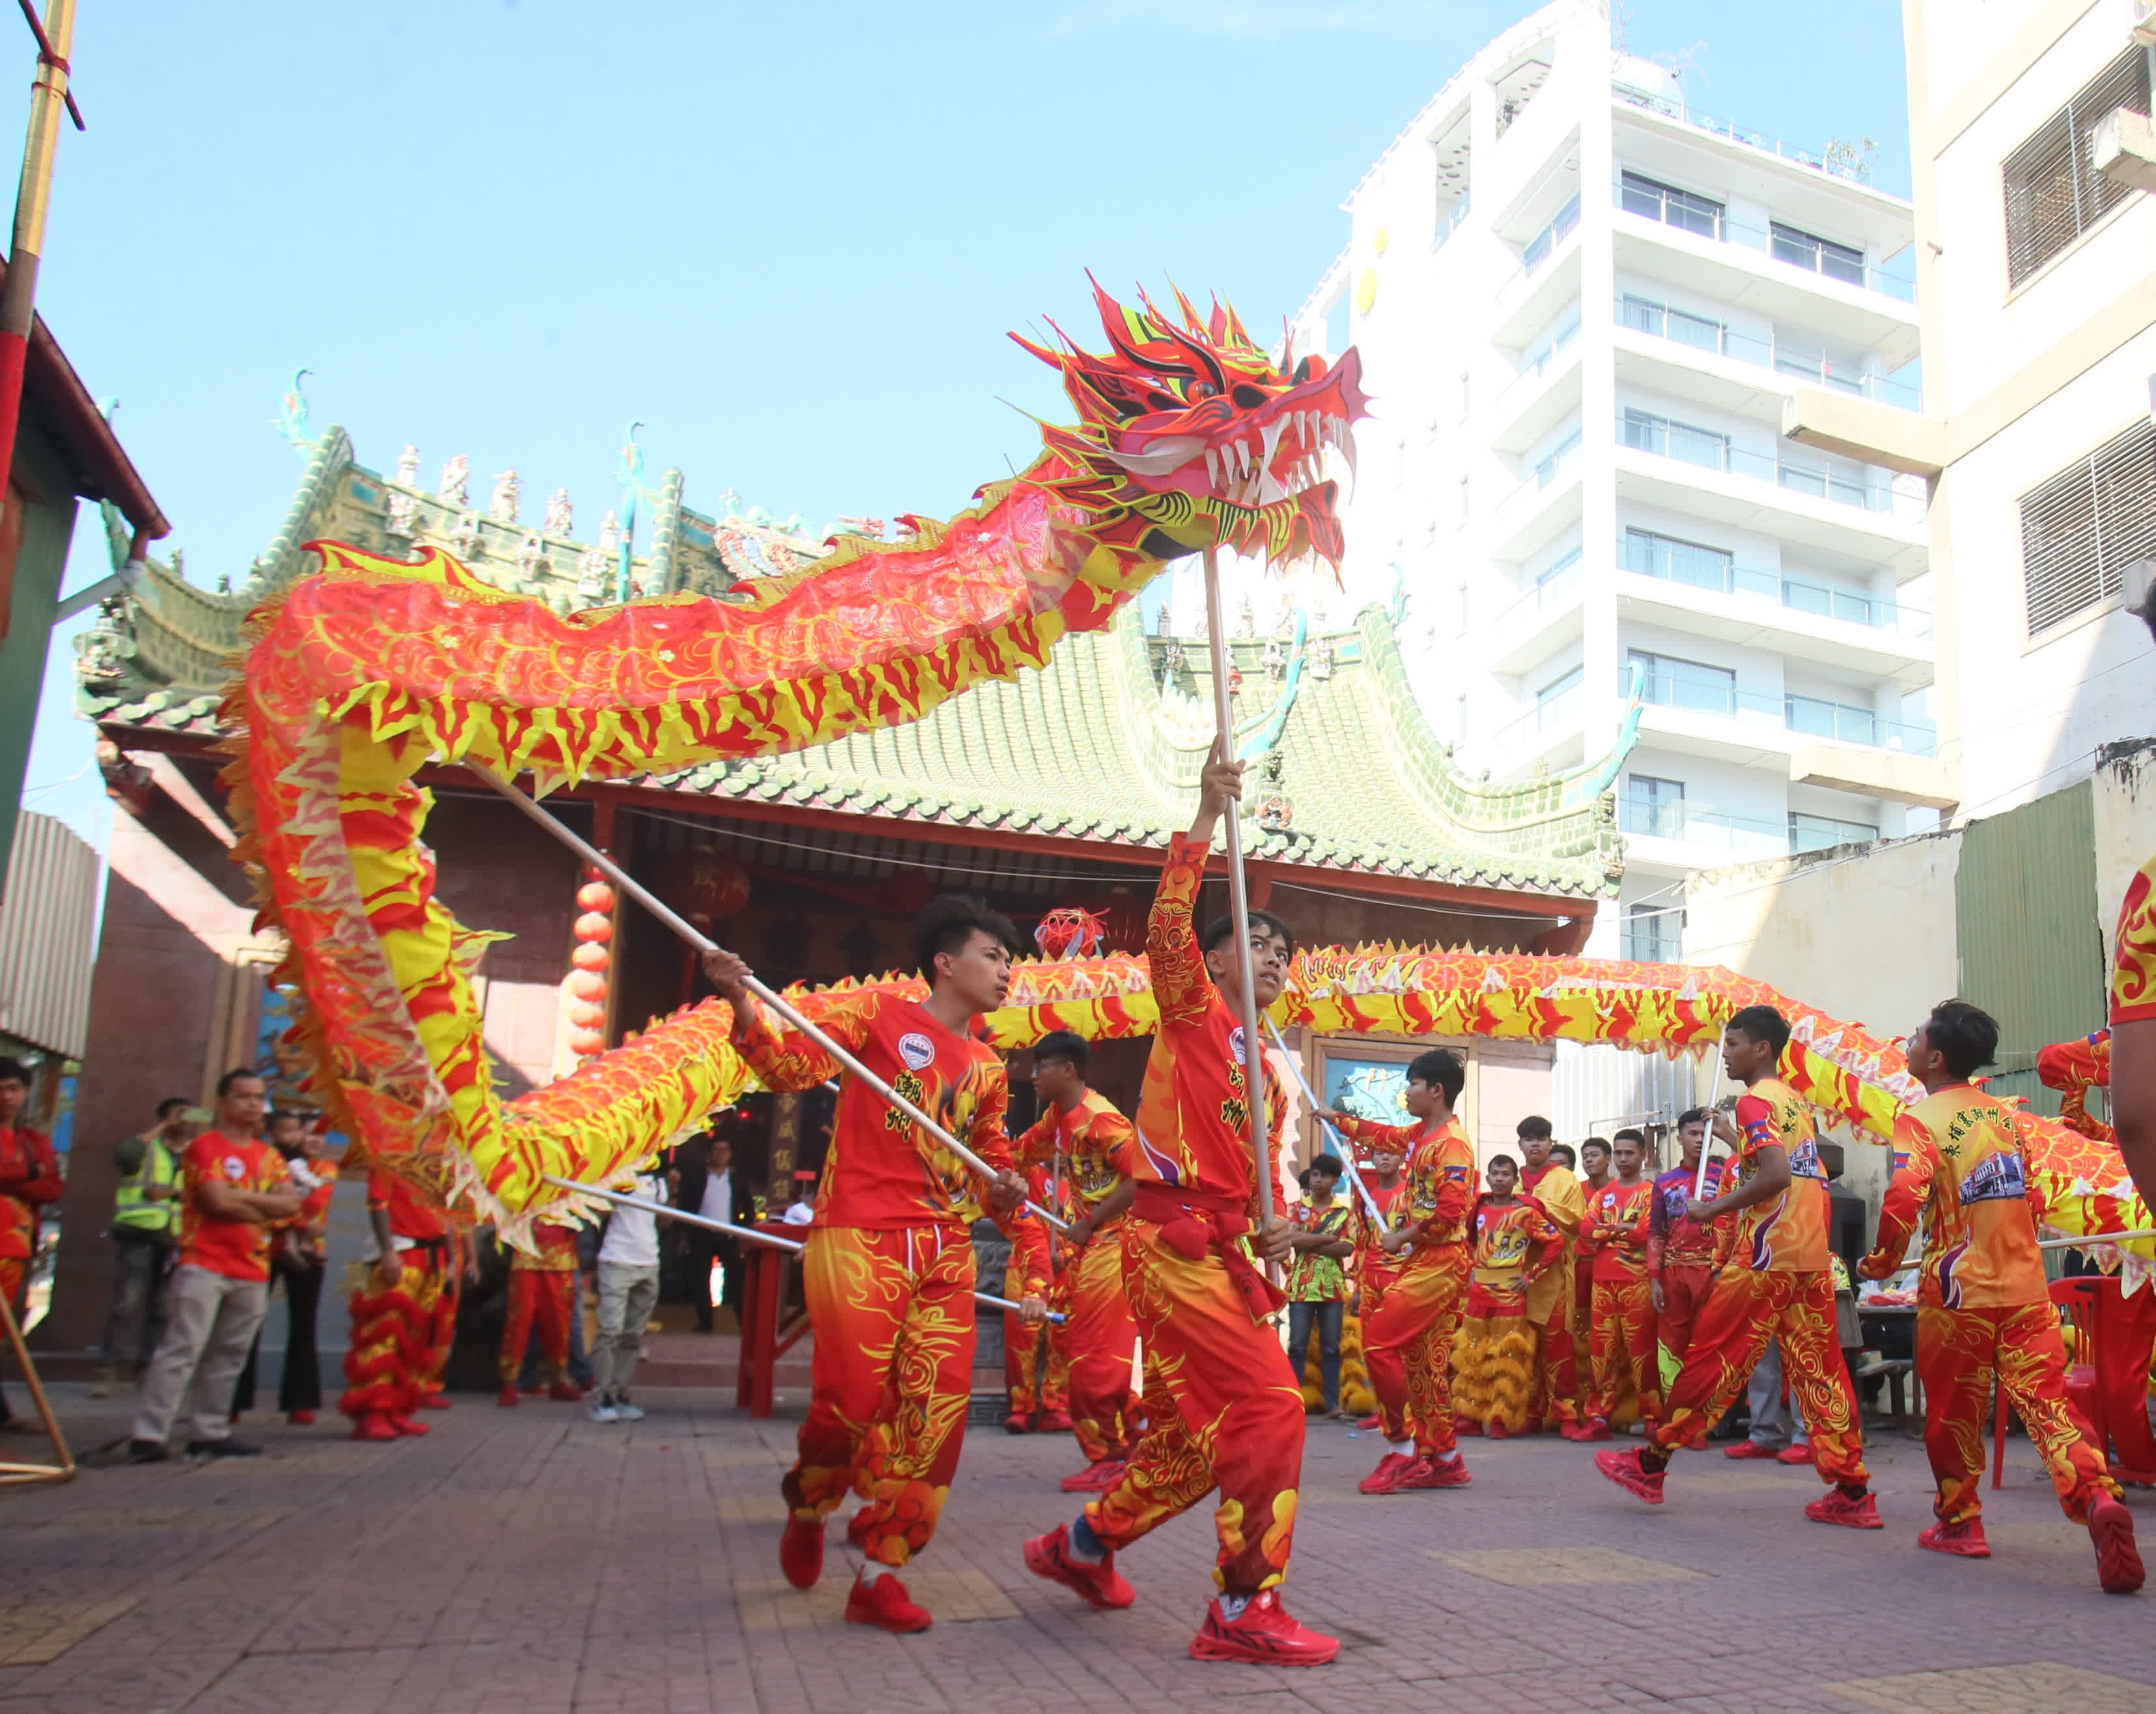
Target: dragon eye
(1246, 397)
(1203, 389)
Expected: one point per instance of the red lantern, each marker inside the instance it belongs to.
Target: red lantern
(591, 957)
(587, 985)
(593, 928)
(585, 1015)
(585, 1043)
(595, 895)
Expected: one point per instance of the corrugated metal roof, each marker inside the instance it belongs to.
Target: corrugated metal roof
(48, 916)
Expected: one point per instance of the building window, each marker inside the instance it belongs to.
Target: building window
(2082, 528)
(1660, 320)
(2054, 192)
(1555, 462)
(1670, 682)
(1654, 806)
(1818, 717)
(1821, 256)
(1648, 432)
(1559, 229)
(1678, 562)
(1557, 700)
(1685, 209)
(1654, 934)
(1822, 833)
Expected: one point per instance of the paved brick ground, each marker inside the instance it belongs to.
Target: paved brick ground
(531, 1560)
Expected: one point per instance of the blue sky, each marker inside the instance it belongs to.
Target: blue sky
(788, 240)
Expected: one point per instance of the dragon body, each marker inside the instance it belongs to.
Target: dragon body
(1188, 435)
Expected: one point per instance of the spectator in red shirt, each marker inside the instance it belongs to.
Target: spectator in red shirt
(29, 1178)
(237, 1191)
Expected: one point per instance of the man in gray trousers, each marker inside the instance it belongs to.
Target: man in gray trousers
(235, 1189)
(629, 1288)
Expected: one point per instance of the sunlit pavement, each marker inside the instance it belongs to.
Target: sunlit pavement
(531, 1560)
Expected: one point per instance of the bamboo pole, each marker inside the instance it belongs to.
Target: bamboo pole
(50, 105)
(1346, 1149)
(14, 1474)
(703, 944)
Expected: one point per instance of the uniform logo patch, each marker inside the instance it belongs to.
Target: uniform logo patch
(1235, 1044)
(235, 1169)
(916, 1050)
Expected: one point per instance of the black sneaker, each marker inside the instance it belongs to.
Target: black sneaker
(146, 1452)
(221, 1449)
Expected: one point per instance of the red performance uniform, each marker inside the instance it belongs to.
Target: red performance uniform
(1681, 1259)
(1983, 1304)
(541, 1294)
(888, 1271)
(1034, 1386)
(392, 1326)
(1411, 1315)
(238, 1249)
(1621, 1322)
(1089, 1150)
(1509, 1246)
(1777, 1284)
(1554, 1400)
(30, 1181)
(1224, 1407)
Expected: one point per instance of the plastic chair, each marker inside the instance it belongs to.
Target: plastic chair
(2078, 1300)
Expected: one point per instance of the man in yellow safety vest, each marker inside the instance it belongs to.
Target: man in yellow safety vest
(146, 1216)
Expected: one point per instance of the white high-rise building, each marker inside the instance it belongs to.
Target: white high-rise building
(1581, 308)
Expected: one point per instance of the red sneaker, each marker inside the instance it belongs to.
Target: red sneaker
(402, 1423)
(1100, 1585)
(1495, 1429)
(1427, 1472)
(1965, 1539)
(1594, 1429)
(1053, 1421)
(1371, 1421)
(300, 1418)
(1386, 1478)
(2117, 1560)
(434, 1401)
(1263, 1634)
(1629, 1473)
(508, 1396)
(1096, 1478)
(801, 1551)
(885, 1604)
(1018, 1421)
(1859, 1511)
(569, 1392)
(1748, 1448)
(373, 1425)
(1794, 1455)
(1465, 1425)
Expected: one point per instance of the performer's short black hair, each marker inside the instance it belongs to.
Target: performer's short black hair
(1503, 1161)
(1600, 1142)
(14, 1071)
(1564, 1152)
(947, 924)
(1067, 1045)
(170, 1105)
(1440, 1068)
(1693, 1116)
(1763, 1024)
(1534, 1127)
(1629, 1135)
(1220, 928)
(1966, 1034)
(1328, 1163)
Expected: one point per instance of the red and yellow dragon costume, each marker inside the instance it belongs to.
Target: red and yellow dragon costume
(1188, 435)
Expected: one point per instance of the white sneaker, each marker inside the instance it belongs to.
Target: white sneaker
(602, 1411)
(625, 1411)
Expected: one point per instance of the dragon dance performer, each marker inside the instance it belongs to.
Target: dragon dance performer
(459, 1269)
(1231, 1412)
(1681, 1250)
(542, 1292)
(1385, 1178)
(1513, 1243)
(1621, 1318)
(1091, 1153)
(1410, 1320)
(1036, 1372)
(1984, 1306)
(1553, 1399)
(888, 1270)
(1778, 1283)
(392, 1312)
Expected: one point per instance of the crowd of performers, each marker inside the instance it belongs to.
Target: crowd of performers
(1471, 1292)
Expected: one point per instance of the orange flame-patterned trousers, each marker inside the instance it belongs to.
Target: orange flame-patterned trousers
(392, 1338)
(892, 1314)
(543, 1295)
(1407, 1341)
(1685, 1289)
(1621, 1337)
(1553, 1397)
(441, 1331)
(1746, 1309)
(1224, 1411)
(1097, 1338)
(1958, 1351)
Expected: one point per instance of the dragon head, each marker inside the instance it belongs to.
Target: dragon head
(1194, 429)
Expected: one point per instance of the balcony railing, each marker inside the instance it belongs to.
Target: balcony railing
(1813, 716)
(1700, 568)
(1842, 160)
(1697, 333)
(1710, 221)
(1557, 588)
(1699, 825)
(1543, 242)
(1451, 224)
(1709, 450)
